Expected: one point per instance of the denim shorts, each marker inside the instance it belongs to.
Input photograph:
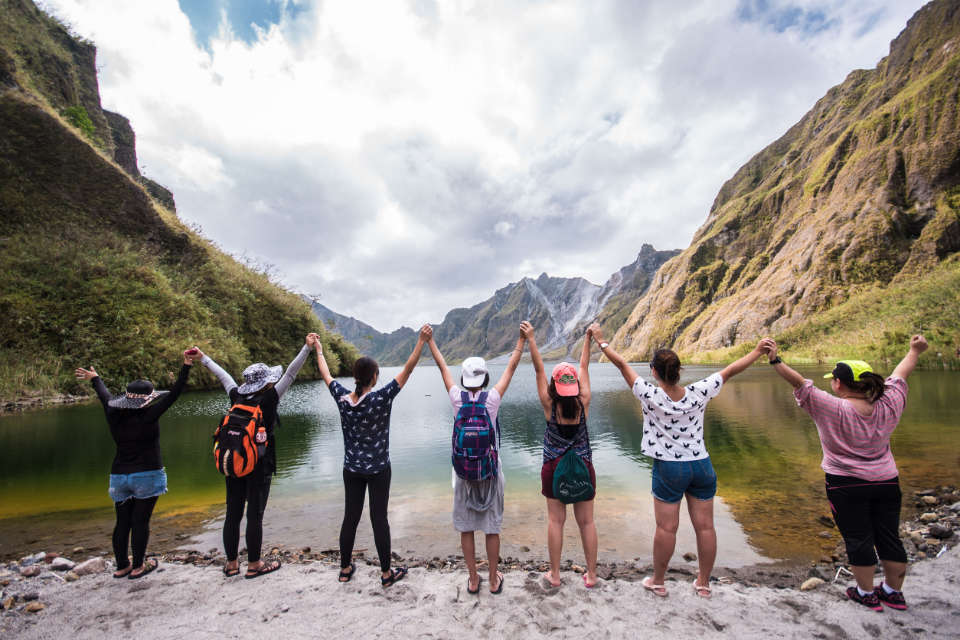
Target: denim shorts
(692, 477)
(142, 484)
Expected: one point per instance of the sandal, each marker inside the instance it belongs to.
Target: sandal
(658, 590)
(123, 573)
(702, 591)
(499, 588)
(229, 573)
(148, 565)
(264, 569)
(396, 575)
(345, 577)
(477, 590)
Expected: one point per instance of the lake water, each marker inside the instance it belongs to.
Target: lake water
(54, 467)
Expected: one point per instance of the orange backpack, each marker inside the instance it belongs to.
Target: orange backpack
(240, 439)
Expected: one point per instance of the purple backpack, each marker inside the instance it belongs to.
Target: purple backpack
(474, 439)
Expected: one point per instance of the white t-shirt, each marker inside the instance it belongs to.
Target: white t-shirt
(492, 404)
(673, 431)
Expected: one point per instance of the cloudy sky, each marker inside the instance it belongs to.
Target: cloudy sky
(399, 158)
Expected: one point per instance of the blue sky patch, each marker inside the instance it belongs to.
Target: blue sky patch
(242, 15)
(782, 17)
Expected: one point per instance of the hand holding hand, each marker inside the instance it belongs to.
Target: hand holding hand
(594, 331)
(526, 330)
(426, 333)
(85, 374)
(918, 343)
(768, 345)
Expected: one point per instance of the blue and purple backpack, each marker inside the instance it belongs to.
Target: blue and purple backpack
(474, 439)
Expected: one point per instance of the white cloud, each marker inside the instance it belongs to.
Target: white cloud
(373, 156)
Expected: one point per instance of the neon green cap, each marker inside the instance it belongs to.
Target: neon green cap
(849, 371)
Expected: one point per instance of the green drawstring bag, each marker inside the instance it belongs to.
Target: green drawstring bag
(571, 479)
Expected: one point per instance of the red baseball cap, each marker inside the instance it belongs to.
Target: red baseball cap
(565, 379)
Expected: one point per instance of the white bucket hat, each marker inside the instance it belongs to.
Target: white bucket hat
(473, 371)
(257, 376)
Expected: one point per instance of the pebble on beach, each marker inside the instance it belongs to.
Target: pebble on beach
(62, 564)
(35, 607)
(928, 517)
(810, 584)
(91, 566)
(30, 571)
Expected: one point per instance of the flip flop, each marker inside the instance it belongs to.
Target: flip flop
(345, 577)
(658, 590)
(396, 575)
(703, 592)
(229, 573)
(550, 583)
(149, 565)
(499, 588)
(477, 590)
(264, 569)
(587, 584)
(123, 573)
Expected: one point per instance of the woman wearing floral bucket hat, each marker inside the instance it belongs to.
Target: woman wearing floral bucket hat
(863, 486)
(264, 386)
(565, 398)
(137, 476)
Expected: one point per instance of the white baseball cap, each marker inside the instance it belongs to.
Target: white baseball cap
(473, 371)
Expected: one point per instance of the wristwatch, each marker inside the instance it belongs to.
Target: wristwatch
(604, 345)
(776, 360)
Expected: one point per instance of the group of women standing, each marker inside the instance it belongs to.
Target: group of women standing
(854, 424)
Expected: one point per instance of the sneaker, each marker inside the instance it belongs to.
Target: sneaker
(893, 600)
(871, 601)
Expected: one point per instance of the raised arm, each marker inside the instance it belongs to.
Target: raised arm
(615, 358)
(740, 365)
(321, 361)
(543, 390)
(98, 386)
(225, 379)
(155, 410)
(918, 344)
(507, 376)
(584, 373)
(783, 369)
(441, 363)
(292, 370)
(414, 358)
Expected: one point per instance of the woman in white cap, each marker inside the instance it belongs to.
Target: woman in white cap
(478, 471)
(863, 485)
(567, 475)
(365, 420)
(262, 386)
(137, 476)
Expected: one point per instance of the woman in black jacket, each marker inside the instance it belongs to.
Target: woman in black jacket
(137, 476)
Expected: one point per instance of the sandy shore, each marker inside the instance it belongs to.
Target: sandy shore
(305, 600)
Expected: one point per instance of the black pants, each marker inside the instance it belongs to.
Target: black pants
(355, 485)
(867, 514)
(252, 490)
(133, 526)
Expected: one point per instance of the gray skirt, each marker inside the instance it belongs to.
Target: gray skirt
(478, 506)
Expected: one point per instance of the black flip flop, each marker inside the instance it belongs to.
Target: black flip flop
(345, 577)
(150, 564)
(396, 575)
(264, 569)
(229, 573)
(477, 590)
(499, 589)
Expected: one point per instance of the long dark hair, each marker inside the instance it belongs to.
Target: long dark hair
(569, 406)
(364, 371)
(667, 365)
(871, 385)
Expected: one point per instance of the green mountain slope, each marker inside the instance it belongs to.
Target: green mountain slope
(94, 271)
(855, 207)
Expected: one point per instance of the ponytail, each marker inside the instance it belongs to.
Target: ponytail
(871, 385)
(667, 365)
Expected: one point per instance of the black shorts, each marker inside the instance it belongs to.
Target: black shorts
(867, 514)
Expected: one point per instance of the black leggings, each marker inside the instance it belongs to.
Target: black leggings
(252, 490)
(867, 514)
(133, 526)
(354, 487)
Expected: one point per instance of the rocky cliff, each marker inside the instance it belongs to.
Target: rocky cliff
(858, 201)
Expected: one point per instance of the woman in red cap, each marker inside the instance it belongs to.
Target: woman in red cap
(567, 464)
(863, 487)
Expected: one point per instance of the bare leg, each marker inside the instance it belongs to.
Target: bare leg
(701, 515)
(893, 574)
(493, 559)
(583, 512)
(864, 576)
(665, 539)
(556, 516)
(469, 547)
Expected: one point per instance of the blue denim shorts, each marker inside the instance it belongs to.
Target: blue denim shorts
(693, 477)
(142, 484)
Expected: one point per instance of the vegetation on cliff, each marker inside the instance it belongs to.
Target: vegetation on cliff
(94, 271)
(841, 237)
